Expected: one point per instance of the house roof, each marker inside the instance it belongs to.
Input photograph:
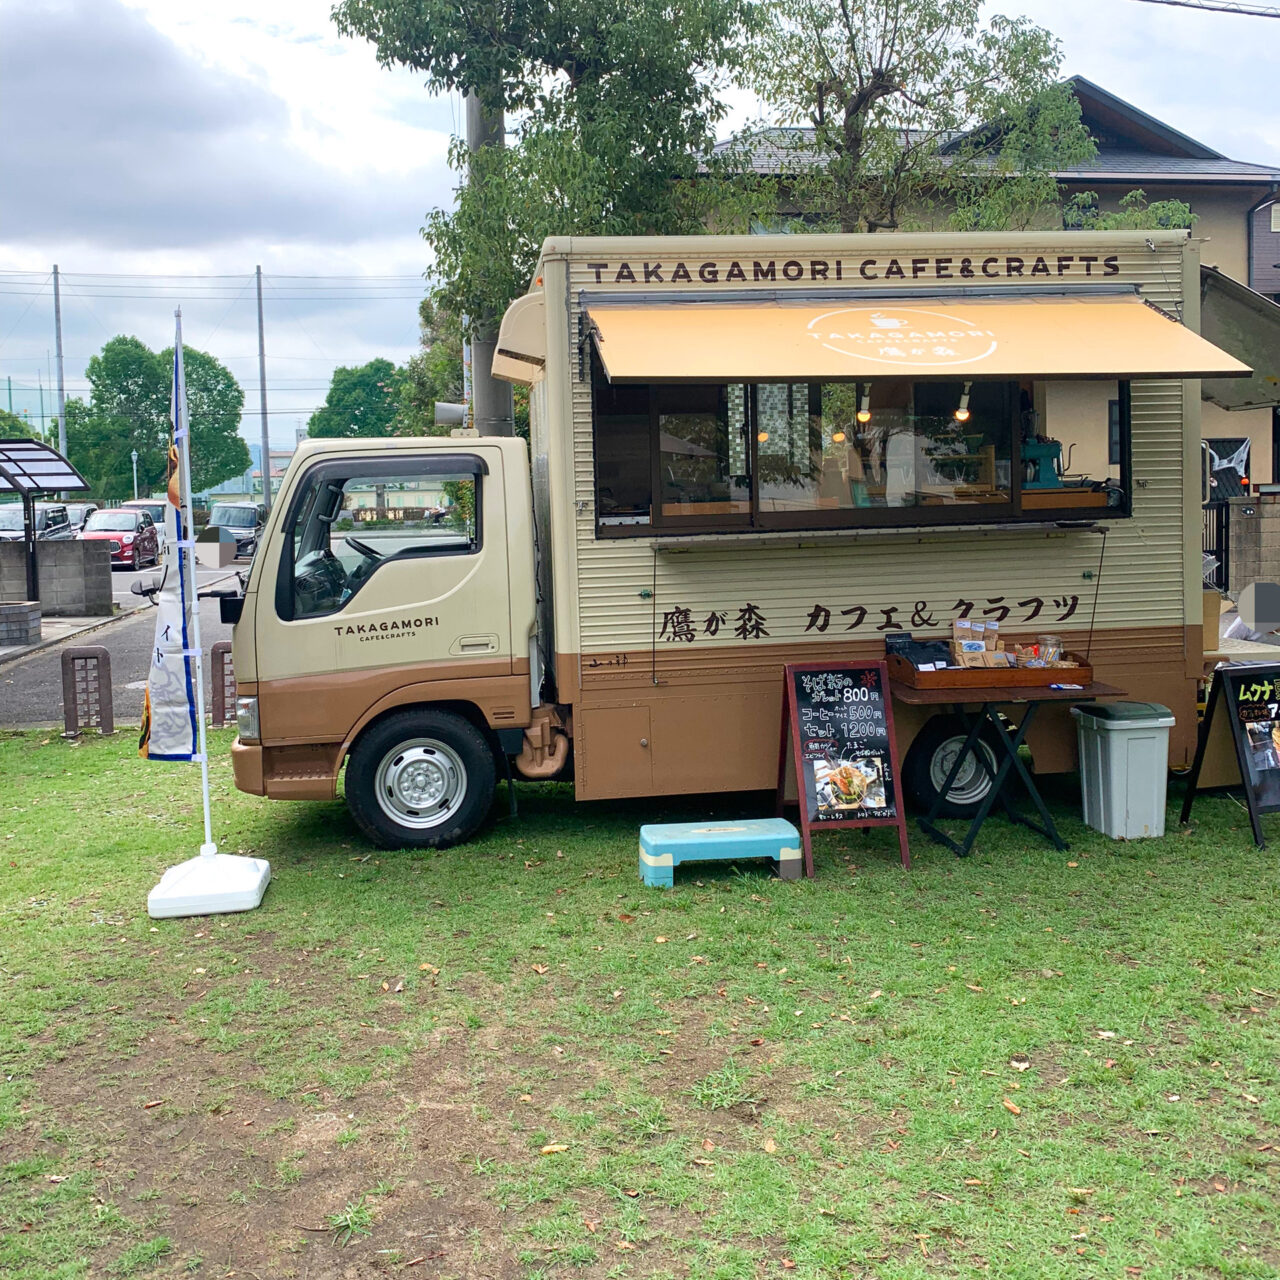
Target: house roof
(1133, 146)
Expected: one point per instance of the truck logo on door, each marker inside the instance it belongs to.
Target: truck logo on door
(386, 630)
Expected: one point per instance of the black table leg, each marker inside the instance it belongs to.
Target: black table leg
(1009, 743)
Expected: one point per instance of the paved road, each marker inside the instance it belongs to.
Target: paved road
(31, 688)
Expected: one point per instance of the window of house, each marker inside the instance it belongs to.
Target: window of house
(349, 518)
(806, 455)
(1113, 433)
(1275, 217)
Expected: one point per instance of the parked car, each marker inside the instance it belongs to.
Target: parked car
(78, 513)
(50, 520)
(157, 509)
(132, 534)
(244, 519)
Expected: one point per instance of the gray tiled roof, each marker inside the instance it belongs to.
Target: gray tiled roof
(783, 150)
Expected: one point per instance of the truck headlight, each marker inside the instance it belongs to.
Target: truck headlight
(247, 719)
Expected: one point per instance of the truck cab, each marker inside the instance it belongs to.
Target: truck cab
(388, 622)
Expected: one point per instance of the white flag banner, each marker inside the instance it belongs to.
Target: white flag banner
(173, 718)
(169, 729)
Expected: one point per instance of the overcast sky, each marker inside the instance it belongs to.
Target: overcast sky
(202, 137)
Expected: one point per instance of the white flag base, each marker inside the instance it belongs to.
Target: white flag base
(210, 884)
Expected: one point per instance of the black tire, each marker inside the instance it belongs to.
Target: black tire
(925, 768)
(420, 779)
(136, 561)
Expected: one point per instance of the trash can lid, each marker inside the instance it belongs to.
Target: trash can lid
(1152, 713)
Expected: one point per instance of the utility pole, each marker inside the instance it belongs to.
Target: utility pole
(133, 454)
(262, 397)
(492, 405)
(40, 384)
(62, 383)
(10, 381)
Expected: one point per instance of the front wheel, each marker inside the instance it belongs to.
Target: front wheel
(930, 759)
(420, 779)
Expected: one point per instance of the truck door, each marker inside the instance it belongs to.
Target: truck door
(384, 562)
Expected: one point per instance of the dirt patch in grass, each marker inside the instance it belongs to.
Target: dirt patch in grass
(250, 1182)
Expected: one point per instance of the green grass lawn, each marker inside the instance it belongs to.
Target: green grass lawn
(512, 1060)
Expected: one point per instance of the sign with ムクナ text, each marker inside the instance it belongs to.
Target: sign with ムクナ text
(1244, 707)
(839, 721)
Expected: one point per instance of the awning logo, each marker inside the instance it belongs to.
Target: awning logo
(908, 336)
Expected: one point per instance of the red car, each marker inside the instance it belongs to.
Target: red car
(132, 534)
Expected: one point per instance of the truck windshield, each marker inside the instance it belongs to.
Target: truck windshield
(344, 529)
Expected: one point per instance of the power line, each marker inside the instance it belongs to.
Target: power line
(1222, 6)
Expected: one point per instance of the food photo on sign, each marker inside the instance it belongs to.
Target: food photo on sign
(847, 787)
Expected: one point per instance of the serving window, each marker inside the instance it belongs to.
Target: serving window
(720, 457)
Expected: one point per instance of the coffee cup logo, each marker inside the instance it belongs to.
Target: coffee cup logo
(911, 337)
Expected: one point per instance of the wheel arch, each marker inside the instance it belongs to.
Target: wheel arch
(394, 704)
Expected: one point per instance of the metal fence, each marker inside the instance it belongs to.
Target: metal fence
(1215, 543)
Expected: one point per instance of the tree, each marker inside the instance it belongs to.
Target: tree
(13, 427)
(914, 105)
(128, 409)
(1133, 213)
(432, 373)
(618, 103)
(360, 402)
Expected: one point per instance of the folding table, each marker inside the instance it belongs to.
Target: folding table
(1007, 740)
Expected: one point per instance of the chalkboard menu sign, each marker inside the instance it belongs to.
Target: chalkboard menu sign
(839, 720)
(1244, 705)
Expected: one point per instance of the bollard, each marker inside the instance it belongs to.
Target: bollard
(223, 680)
(86, 691)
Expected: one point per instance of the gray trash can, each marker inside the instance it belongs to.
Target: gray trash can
(1124, 766)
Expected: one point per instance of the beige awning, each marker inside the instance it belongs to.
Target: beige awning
(1091, 336)
(521, 355)
(1245, 323)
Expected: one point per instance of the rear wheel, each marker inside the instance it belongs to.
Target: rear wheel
(420, 779)
(930, 759)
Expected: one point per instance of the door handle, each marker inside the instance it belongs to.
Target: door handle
(474, 644)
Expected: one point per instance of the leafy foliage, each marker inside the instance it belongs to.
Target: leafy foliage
(618, 105)
(128, 408)
(360, 402)
(1134, 213)
(433, 373)
(912, 105)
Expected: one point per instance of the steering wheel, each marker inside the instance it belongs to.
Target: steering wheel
(363, 547)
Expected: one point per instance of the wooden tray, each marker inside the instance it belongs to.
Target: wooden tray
(986, 677)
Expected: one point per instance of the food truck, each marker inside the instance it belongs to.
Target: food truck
(744, 452)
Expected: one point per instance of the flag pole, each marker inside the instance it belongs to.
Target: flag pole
(187, 550)
(174, 728)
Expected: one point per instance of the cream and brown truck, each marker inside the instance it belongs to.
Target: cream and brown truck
(744, 452)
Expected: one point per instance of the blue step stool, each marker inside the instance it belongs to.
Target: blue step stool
(664, 846)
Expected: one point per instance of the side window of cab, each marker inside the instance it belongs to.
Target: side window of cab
(350, 517)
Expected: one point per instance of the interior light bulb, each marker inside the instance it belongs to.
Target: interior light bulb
(837, 437)
(762, 436)
(962, 413)
(864, 415)
(864, 405)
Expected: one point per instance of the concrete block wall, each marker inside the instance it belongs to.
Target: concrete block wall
(19, 623)
(75, 577)
(1255, 541)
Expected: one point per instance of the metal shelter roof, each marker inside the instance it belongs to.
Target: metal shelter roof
(28, 467)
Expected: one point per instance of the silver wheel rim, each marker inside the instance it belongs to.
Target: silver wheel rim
(420, 783)
(972, 782)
